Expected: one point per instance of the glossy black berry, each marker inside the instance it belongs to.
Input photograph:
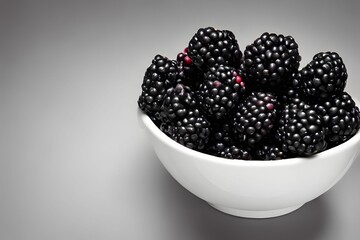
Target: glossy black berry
(220, 92)
(254, 118)
(271, 60)
(324, 76)
(177, 103)
(192, 131)
(211, 47)
(340, 117)
(159, 76)
(291, 90)
(221, 137)
(300, 130)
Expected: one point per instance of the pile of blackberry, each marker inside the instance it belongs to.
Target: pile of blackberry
(256, 104)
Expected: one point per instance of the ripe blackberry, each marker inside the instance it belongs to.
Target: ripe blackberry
(221, 90)
(324, 76)
(221, 137)
(340, 116)
(255, 117)
(291, 90)
(235, 152)
(300, 130)
(178, 101)
(211, 47)
(189, 74)
(270, 152)
(271, 60)
(159, 76)
(192, 131)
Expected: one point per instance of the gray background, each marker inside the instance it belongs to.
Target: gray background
(74, 163)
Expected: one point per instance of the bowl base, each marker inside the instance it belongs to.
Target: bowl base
(255, 214)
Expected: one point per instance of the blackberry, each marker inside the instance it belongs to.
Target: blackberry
(270, 152)
(159, 76)
(235, 152)
(221, 90)
(324, 76)
(189, 74)
(255, 117)
(300, 130)
(291, 90)
(177, 103)
(211, 47)
(192, 131)
(340, 118)
(221, 137)
(271, 60)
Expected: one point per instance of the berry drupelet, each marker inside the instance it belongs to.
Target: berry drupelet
(211, 47)
(324, 76)
(300, 130)
(159, 76)
(271, 60)
(220, 92)
(340, 117)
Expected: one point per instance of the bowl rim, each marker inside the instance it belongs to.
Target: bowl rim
(151, 126)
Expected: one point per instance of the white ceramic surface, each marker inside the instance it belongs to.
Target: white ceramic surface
(253, 189)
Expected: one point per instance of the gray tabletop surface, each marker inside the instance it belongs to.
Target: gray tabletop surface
(74, 163)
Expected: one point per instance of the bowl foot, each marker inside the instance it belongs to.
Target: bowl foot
(255, 214)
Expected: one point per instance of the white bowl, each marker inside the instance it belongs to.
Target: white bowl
(252, 189)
